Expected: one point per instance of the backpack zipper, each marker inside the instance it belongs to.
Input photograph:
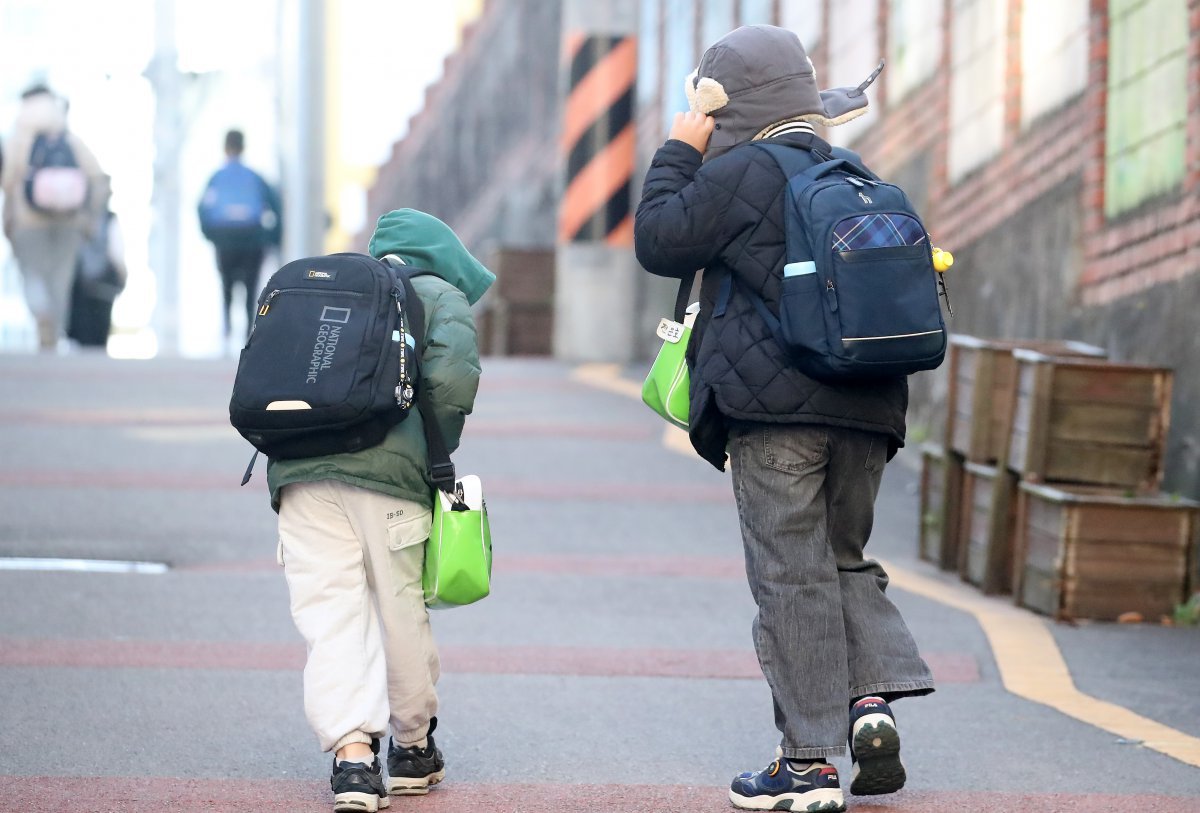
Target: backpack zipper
(266, 305)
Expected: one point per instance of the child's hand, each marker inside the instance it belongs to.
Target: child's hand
(692, 128)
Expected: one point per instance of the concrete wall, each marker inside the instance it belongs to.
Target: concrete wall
(482, 154)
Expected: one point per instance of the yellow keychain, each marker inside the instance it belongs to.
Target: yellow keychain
(942, 260)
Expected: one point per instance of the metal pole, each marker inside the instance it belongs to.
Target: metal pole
(303, 128)
(165, 198)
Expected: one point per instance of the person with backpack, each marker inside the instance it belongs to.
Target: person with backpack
(807, 450)
(352, 528)
(53, 196)
(240, 214)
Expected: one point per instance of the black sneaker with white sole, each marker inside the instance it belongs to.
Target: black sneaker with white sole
(411, 771)
(874, 749)
(358, 787)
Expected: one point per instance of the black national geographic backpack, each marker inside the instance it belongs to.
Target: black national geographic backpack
(332, 361)
(859, 294)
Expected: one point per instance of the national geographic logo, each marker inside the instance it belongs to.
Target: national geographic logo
(325, 276)
(328, 334)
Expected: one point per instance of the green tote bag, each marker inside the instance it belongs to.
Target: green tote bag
(666, 387)
(458, 555)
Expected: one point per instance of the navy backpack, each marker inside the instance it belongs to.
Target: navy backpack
(234, 202)
(859, 294)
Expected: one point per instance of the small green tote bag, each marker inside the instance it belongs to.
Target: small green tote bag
(665, 389)
(458, 555)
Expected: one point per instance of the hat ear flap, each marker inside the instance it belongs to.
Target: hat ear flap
(710, 96)
(689, 88)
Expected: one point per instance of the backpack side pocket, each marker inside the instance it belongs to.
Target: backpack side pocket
(802, 314)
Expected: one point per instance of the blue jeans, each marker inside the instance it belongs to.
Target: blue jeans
(826, 632)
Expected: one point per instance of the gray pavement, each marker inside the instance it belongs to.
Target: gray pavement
(611, 668)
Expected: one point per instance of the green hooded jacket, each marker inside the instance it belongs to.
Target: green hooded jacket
(452, 280)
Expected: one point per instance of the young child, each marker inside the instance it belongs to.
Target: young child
(806, 456)
(352, 529)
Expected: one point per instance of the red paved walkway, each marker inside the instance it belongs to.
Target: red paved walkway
(113, 794)
(512, 660)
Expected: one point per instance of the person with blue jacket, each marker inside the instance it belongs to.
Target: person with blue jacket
(352, 529)
(241, 215)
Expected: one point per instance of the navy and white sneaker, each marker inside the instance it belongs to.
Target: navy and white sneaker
(874, 749)
(811, 786)
(358, 787)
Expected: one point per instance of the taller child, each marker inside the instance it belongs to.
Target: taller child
(807, 457)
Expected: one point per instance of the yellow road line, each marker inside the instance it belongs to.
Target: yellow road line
(1032, 666)
(677, 440)
(606, 377)
(1030, 662)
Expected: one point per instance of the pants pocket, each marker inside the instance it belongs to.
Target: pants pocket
(794, 448)
(409, 529)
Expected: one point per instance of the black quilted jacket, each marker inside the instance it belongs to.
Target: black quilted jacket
(726, 217)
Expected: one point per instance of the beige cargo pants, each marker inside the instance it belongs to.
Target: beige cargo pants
(353, 559)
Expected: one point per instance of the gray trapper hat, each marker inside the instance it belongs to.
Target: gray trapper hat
(758, 76)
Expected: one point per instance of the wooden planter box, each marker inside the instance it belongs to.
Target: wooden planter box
(929, 520)
(1085, 554)
(939, 527)
(1090, 422)
(986, 535)
(983, 377)
(518, 319)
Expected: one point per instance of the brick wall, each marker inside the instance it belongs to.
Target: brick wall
(1036, 255)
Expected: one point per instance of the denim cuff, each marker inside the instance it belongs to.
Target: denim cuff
(811, 754)
(894, 691)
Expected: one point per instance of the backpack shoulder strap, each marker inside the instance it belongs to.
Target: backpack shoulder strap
(793, 160)
(441, 468)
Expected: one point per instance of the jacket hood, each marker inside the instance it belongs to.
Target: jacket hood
(760, 75)
(423, 241)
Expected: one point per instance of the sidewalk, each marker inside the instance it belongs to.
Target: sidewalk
(611, 669)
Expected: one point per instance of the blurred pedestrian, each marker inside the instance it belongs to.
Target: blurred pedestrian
(352, 532)
(807, 456)
(100, 276)
(53, 194)
(240, 214)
